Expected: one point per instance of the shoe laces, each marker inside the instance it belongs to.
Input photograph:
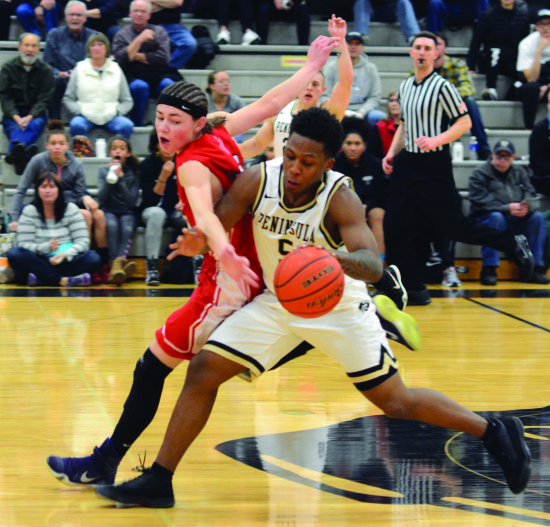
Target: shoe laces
(141, 467)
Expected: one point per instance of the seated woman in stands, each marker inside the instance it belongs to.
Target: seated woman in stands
(59, 160)
(97, 94)
(52, 240)
(118, 192)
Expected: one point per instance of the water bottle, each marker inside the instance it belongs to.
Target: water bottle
(111, 175)
(473, 147)
(457, 152)
(100, 147)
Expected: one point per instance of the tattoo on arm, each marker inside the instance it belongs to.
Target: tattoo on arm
(362, 265)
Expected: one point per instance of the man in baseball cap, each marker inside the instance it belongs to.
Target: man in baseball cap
(366, 90)
(502, 196)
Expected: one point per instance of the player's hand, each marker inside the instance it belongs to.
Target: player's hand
(320, 50)
(387, 164)
(58, 258)
(337, 27)
(427, 143)
(189, 243)
(238, 268)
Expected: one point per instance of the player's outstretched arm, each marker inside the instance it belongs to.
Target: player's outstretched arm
(346, 220)
(278, 97)
(197, 181)
(340, 95)
(257, 144)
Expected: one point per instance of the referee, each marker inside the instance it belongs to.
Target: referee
(422, 197)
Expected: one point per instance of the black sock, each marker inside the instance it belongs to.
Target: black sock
(161, 472)
(383, 282)
(103, 254)
(142, 402)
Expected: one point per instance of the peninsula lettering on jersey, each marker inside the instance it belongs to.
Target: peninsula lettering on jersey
(281, 126)
(302, 231)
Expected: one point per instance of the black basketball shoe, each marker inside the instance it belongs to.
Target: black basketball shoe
(506, 444)
(147, 490)
(390, 285)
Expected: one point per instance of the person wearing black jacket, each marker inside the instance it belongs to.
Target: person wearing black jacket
(539, 155)
(498, 32)
(366, 172)
(159, 205)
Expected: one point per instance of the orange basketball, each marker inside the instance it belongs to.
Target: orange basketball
(309, 282)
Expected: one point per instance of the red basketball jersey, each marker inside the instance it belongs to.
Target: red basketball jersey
(220, 154)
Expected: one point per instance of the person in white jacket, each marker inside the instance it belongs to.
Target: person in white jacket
(97, 94)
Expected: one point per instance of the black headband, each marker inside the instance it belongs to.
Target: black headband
(193, 110)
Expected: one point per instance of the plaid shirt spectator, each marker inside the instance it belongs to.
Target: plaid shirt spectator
(456, 72)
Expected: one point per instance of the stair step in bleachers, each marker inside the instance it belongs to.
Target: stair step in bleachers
(380, 34)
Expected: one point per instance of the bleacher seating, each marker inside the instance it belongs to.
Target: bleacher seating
(255, 69)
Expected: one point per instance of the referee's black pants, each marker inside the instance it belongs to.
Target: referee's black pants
(423, 201)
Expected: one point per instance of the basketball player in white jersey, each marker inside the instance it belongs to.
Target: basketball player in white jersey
(285, 197)
(275, 129)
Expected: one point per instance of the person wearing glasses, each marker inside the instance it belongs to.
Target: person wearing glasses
(65, 46)
(502, 197)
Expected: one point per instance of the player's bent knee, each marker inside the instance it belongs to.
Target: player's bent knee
(208, 370)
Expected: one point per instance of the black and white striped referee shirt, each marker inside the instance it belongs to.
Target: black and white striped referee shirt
(428, 108)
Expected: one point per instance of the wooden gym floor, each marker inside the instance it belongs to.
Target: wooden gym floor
(300, 446)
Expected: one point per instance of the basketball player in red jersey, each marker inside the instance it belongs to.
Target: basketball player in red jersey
(207, 160)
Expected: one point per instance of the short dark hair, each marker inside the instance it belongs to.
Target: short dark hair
(442, 37)
(355, 125)
(424, 34)
(319, 125)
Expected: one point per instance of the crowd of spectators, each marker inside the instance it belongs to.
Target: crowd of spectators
(95, 75)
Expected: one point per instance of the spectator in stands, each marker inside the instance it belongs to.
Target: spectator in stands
(118, 199)
(365, 92)
(365, 170)
(65, 46)
(52, 240)
(219, 97)
(453, 13)
(456, 72)
(382, 132)
(35, 13)
(501, 196)
(26, 88)
(385, 11)
(499, 30)
(288, 11)
(159, 199)
(143, 52)
(97, 94)
(245, 11)
(167, 13)
(7, 9)
(59, 160)
(218, 94)
(539, 155)
(102, 17)
(534, 67)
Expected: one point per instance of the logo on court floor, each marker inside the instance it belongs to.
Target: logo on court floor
(379, 460)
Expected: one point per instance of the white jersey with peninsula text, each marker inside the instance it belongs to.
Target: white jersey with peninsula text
(279, 229)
